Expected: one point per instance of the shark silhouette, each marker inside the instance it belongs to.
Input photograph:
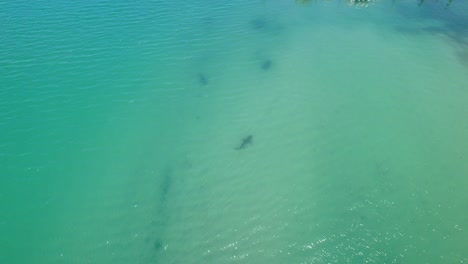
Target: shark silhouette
(246, 141)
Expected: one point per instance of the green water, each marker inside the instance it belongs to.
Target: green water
(119, 124)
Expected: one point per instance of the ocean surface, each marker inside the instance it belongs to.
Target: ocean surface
(255, 131)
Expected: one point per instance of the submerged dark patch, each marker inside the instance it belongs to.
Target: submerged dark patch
(258, 24)
(449, 24)
(246, 141)
(202, 79)
(463, 57)
(166, 183)
(266, 64)
(158, 245)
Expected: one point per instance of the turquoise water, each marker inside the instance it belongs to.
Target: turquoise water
(120, 123)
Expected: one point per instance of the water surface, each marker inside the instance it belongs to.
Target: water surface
(121, 128)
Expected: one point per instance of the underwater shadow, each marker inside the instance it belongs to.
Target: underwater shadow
(448, 24)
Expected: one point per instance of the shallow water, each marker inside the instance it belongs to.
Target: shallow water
(122, 129)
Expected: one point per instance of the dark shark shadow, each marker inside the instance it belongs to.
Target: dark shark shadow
(166, 183)
(246, 141)
(266, 64)
(202, 79)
